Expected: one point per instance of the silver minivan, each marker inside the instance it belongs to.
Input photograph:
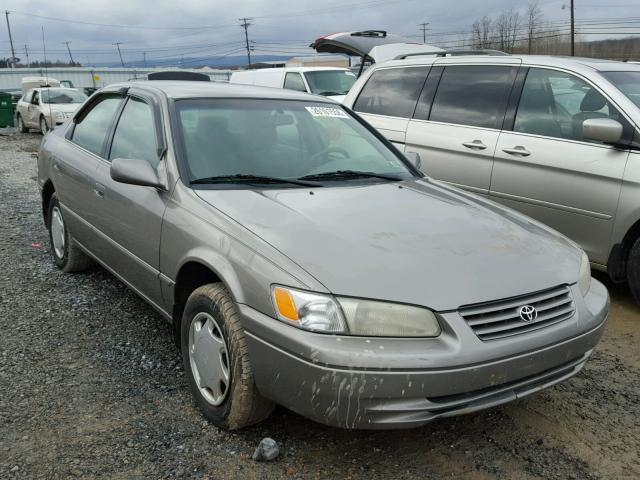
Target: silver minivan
(555, 138)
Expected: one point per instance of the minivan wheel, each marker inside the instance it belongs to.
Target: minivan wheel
(44, 128)
(633, 270)
(66, 254)
(216, 360)
(21, 127)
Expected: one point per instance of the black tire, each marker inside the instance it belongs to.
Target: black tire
(44, 130)
(243, 404)
(633, 270)
(20, 124)
(71, 258)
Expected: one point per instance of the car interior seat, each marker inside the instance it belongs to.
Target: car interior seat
(536, 114)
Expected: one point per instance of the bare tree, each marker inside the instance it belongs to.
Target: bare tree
(533, 17)
(481, 32)
(507, 26)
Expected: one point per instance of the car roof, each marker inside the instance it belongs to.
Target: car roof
(293, 69)
(185, 89)
(541, 60)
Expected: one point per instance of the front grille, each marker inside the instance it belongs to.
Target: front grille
(502, 318)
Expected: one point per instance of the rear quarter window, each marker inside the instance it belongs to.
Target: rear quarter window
(392, 91)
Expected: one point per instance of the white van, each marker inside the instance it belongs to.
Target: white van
(331, 82)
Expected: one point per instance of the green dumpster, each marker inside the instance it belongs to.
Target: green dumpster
(6, 110)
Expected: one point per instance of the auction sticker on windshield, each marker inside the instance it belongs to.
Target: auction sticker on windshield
(326, 112)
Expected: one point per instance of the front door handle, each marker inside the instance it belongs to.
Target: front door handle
(98, 190)
(475, 145)
(519, 150)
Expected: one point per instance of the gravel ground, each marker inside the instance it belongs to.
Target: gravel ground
(91, 386)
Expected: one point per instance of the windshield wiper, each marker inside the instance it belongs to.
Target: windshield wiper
(349, 174)
(245, 178)
(330, 93)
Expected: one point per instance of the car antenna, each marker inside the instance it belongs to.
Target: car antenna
(46, 74)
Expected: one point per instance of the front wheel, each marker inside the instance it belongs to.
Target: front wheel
(216, 361)
(633, 270)
(66, 254)
(44, 127)
(21, 126)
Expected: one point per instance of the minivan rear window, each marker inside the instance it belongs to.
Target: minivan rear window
(473, 95)
(392, 91)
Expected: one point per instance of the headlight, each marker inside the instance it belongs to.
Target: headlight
(584, 280)
(383, 319)
(323, 313)
(58, 115)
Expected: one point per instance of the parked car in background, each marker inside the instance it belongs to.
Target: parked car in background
(303, 260)
(44, 108)
(330, 82)
(555, 138)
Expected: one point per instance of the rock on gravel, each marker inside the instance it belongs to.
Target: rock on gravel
(266, 451)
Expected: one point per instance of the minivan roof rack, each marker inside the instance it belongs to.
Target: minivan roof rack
(453, 52)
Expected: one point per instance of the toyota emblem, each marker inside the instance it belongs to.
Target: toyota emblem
(528, 313)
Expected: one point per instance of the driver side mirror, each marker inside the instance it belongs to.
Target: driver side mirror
(414, 159)
(604, 130)
(35, 101)
(135, 172)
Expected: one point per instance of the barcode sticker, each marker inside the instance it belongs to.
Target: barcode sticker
(327, 112)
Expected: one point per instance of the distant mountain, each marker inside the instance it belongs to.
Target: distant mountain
(195, 62)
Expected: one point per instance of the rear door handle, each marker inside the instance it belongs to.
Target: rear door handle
(475, 145)
(98, 189)
(521, 151)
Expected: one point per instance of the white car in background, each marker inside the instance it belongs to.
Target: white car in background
(44, 108)
(331, 82)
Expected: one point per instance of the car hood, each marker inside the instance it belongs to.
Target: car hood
(62, 107)
(416, 242)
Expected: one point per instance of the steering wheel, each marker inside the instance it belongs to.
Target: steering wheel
(327, 151)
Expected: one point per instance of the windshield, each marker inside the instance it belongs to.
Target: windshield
(330, 82)
(61, 95)
(627, 82)
(280, 139)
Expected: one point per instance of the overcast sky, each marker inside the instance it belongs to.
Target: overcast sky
(198, 28)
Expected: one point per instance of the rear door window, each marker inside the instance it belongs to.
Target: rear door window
(392, 91)
(91, 132)
(473, 95)
(293, 81)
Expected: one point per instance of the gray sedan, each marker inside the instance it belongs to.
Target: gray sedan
(303, 260)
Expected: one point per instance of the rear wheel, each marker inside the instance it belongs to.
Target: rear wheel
(21, 127)
(44, 127)
(66, 254)
(216, 360)
(633, 270)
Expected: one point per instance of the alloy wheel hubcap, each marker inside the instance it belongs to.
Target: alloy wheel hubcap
(57, 232)
(209, 358)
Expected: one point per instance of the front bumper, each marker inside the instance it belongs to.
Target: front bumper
(381, 383)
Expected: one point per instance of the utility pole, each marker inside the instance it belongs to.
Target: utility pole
(69, 50)
(117, 44)
(573, 31)
(423, 27)
(245, 23)
(144, 59)
(13, 52)
(26, 54)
